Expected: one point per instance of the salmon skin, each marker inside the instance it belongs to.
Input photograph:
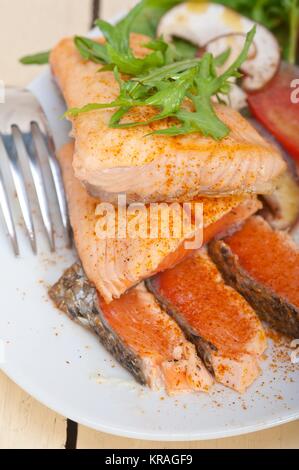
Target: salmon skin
(225, 330)
(136, 331)
(263, 265)
(149, 168)
(116, 264)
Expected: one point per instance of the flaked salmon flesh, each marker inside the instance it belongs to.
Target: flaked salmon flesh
(169, 360)
(116, 264)
(263, 265)
(225, 329)
(137, 332)
(271, 257)
(151, 168)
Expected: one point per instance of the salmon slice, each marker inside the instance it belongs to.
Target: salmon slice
(263, 265)
(137, 332)
(227, 333)
(116, 264)
(151, 168)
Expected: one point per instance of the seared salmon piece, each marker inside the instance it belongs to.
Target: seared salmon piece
(116, 264)
(226, 331)
(263, 265)
(137, 332)
(150, 168)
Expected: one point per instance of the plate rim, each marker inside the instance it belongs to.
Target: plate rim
(70, 413)
(154, 436)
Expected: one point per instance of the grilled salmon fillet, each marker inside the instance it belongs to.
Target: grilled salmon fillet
(116, 264)
(155, 167)
(227, 333)
(139, 334)
(263, 265)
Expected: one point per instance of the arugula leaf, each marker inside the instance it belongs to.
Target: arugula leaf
(40, 58)
(167, 89)
(185, 48)
(118, 36)
(166, 72)
(138, 87)
(207, 84)
(173, 69)
(117, 51)
(222, 58)
(91, 50)
(146, 22)
(148, 19)
(130, 65)
(131, 94)
(167, 99)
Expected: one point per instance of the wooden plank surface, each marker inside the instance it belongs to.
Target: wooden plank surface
(26, 27)
(25, 423)
(112, 8)
(285, 437)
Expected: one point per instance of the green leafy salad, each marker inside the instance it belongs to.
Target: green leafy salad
(170, 77)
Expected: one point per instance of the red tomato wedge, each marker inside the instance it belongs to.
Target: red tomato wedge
(276, 106)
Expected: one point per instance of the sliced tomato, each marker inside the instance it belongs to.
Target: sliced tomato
(276, 106)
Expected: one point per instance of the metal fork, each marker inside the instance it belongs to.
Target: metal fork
(25, 140)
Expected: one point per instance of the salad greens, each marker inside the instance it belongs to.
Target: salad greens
(170, 78)
(167, 88)
(117, 52)
(40, 58)
(279, 16)
(163, 79)
(148, 19)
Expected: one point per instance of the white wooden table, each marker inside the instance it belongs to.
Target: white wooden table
(25, 27)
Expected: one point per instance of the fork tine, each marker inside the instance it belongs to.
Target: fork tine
(63, 209)
(18, 179)
(57, 178)
(7, 214)
(39, 184)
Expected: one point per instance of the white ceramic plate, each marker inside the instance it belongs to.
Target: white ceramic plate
(66, 368)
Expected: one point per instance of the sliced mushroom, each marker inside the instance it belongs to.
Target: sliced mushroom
(202, 23)
(281, 208)
(235, 43)
(283, 203)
